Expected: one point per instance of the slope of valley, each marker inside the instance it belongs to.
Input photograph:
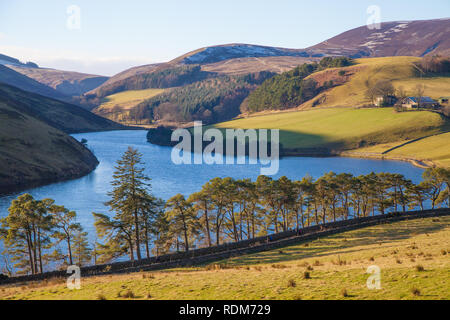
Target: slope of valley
(34, 145)
(16, 79)
(65, 82)
(47, 82)
(194, 71)
(398, 38)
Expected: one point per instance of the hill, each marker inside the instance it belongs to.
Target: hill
(34, 145)
(415, 38)
(334, 264)
(16, 79)
(325, 131)
(7, 60)
(236, 50)
(176, 77)
(60, 115)
(352, 91)
(291, 88)
(397, 38)
(346, 86)
(209, 100)
(410, 38)
(123, 75)
(161, 77)
(66, 82)
(241, 66)
(210, 66)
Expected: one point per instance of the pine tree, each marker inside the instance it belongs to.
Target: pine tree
(117, 235)
(202, 204)
(182, 219)
(63, 221)
(26, 233)
(81, 249)
(130, 197)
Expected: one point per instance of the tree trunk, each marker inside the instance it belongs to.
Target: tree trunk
(70, 250)
(186, 243)
(30, 254)
(253, 223)
(135, 213)
(136, 232)
(207, 224)
(147, 249)
(233, 220)
(34, 250)
(40, 251)
(130, 243)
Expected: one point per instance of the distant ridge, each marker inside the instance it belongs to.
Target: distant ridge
(397, 38)
(18, 80)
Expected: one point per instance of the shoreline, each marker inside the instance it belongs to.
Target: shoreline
(160, 135)
(423, 164)
(6, 190)
(10, 190)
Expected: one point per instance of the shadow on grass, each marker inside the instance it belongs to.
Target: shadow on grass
(384, 233)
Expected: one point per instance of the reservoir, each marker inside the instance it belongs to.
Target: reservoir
(88, 194)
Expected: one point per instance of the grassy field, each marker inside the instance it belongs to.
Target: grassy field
(436, 149)
(129, 99)
(344, 128)
(434, 87)
(334, 123)
(124, 101)
(400, 70)
(413, 257)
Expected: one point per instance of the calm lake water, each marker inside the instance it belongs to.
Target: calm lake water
(87, 194)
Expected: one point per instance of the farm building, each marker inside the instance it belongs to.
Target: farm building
(382, 101)
(422, 102)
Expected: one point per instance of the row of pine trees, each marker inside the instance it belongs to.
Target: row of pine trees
(37, 234)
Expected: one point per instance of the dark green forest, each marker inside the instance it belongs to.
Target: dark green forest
(210, 100)
(164, 78)
(290, 88)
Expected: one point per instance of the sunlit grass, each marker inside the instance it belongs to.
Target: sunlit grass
(128, 99)
(334, 263)
(436, 149)
(343, 128)
(400, 70)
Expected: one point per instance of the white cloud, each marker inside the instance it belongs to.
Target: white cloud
(62, 60)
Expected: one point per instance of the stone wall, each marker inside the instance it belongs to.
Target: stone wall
(224, 251)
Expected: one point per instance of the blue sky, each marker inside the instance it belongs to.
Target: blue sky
(113, 37)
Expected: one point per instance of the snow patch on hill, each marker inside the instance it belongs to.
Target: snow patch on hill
(379, 38)
(220, 53)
